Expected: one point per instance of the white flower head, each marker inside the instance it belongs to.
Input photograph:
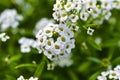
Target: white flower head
(113, 74)
(54, 44)
(69, 6)
(90, 31)
(32, 78)
(73, 18)
(57, 6)
(4, 37)
(107, 14)
(77, 5)
(56, 15)
(84, 15)
(101, 78)
(63, 16)
(90, 3)
(41, 24)
(95, 12)
(106, 4)
(25, 48)
(9, 18)
(50, 66)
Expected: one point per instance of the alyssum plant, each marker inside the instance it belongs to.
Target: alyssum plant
(56, 38)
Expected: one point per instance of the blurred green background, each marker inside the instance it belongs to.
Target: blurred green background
(88, 63)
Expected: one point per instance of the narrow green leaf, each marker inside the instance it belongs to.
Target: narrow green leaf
(116, 61)
(72, 75)
(15, 58)
(94, 45)
(39, 69)
(94, 76)
(111, 43)
(25, 65)
(89, 25)
(94, 59)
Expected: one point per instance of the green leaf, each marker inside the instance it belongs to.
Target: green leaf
(25, 65)
(15, 58)
(116, 61)
(94, 45)
(72, 75)
(94, 76)
(89, 25)
(111, 43)
(94, 59)
(39, 69)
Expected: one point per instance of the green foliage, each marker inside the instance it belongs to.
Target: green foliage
(88, 59)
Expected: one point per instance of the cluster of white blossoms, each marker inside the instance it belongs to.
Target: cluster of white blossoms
(41, 24)
(26, 44)
(31, 78)
(9, 18)
(4, 37)
(94, 11)
(55, 41)
(110, 74)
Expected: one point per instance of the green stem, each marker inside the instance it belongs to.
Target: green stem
(40, 68)
(72, 75)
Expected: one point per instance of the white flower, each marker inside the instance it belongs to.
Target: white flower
(48, 31)
(73, 18)
(4, 37)
(116, 4)
(98, 40)
(107, 14)
(32, 78)
(41, 24)
(106, 4)
(90, 3)
(74, 27)
(96, 12)
(113, 74)
(69, 46)
(69, 6)
(63, 16)
(90, 31)
(57, 47)
(56, 15)
(50, 66)
(84, 15)
(21, 78)
(25, 48)
(117, 68)
(57, 6)
(63, 39)
(102, 78)
(49, 43)
(77, 5)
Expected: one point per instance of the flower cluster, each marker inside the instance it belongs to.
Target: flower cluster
(4, 37)
(9, 18)
(110, 74)
(55, 41)
(26, 44)
(94, 11)
(31, 78)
